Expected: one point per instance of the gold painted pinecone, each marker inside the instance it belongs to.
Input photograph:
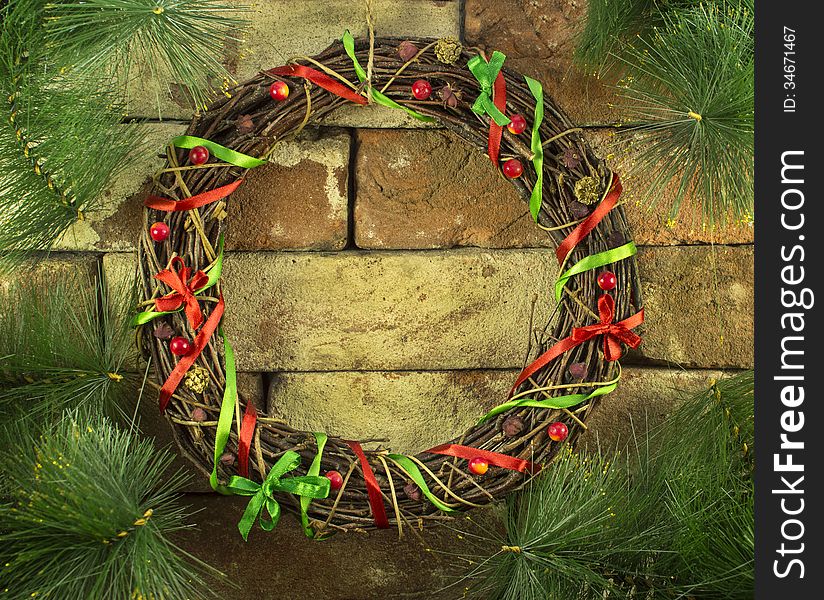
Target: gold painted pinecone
(197, 380)
(586, 190)
(448, 50)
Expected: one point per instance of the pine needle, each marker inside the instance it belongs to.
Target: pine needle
(89, 516)
(65, 345)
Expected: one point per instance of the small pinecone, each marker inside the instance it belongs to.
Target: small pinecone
(407, 50)
(413, 492)
(587, 190)
(448, 50)
(513, 426)
(197, 380)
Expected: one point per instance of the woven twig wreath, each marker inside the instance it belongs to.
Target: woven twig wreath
(379, 488)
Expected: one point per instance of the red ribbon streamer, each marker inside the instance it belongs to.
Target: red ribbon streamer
(320, 79)
(169, 205)
(588, 224)
(372, 487)
(493, 458)
(201, 339)
(178, 277)
(496, 131)
(244, 443)
(614, 333)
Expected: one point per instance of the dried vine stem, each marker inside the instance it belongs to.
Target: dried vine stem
(194, 235)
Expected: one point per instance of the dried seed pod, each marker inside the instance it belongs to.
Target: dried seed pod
(413, 492)
(513, 426)
(407, 50)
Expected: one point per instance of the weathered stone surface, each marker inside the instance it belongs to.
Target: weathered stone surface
(410, 410)
(115, 225)
(650, 225)
(384, 310)
(644, 398)
(286, 565)
(538, 38)
(157, 427)
(699, 305)
(429, 189)
(45, 270)
(296, 202)
(280, 30)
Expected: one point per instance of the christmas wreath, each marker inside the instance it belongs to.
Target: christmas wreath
(334, 483)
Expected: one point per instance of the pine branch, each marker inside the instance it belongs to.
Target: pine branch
(61, 141)
(65, 345)
(90, 514)
(177, 40)
(691, 93)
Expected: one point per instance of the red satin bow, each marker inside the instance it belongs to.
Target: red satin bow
(614, 333)
(184, 288)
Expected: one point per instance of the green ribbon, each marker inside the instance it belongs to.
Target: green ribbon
(411, 469)
(222, 152)
(378, 97)
(314, 469)
(594, 261)
(558, 402)
(307, 486)
(213, 272)
(227, 410)
(486, 73)
(537, 147)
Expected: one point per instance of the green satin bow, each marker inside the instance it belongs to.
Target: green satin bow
(308, 486)
(486, 73)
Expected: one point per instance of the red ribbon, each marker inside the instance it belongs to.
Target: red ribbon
(588, 224)
(320, 79)
(169, 205)
(201, 339)
(178, 277)
(496, 131)
(614, 333)
(493, 458)
(372, 487)
(244, 443)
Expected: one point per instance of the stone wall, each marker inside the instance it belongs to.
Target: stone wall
(394, 274)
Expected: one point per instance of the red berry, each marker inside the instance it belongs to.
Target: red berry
(513, 168)
(279, 91)
(557, 431)
(421, 89)
(159, 231)
(335, 480)
(180, 346)
(607, 281)
(516, 125)
(478, 465)
(198, 155)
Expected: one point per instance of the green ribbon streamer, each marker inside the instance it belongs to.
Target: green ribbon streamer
(486, 73)
(227, 410)
(378, 97)
(213, 273)
(314, 469)
(309, 486)
(594, 261)
(537, 147)
(411, 469)
(559, 402)
(222, 152)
